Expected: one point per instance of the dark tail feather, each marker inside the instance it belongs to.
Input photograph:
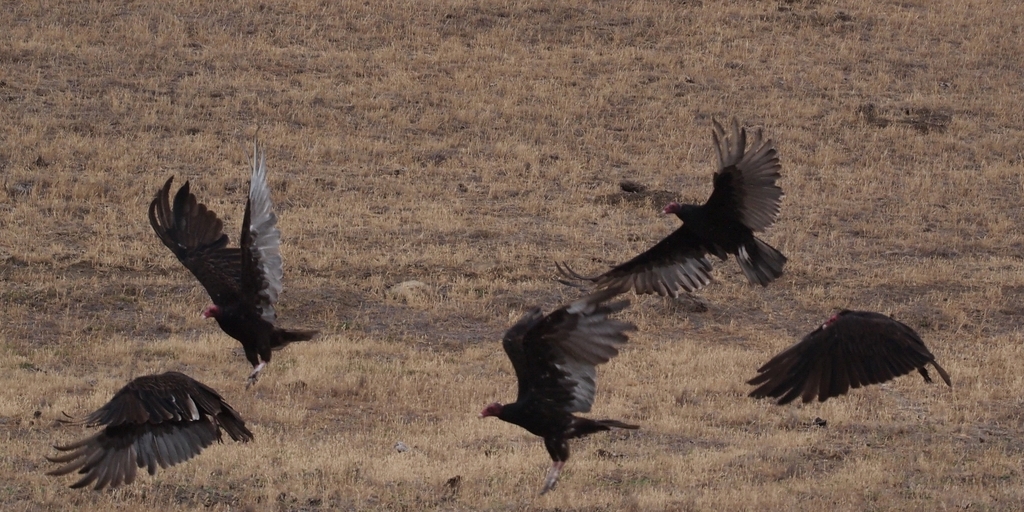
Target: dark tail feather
(234, 425)
(761, 263)
(942, 373)
(583, 426)
(616, 424)
(282, 337)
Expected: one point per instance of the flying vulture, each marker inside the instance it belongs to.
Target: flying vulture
(745, 200)
(852, 349)
(555, 358)
(243, 282)
(156, 420)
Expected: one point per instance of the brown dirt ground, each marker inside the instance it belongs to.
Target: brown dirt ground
(468, 145)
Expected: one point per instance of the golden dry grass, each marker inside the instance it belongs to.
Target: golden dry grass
(468, 145)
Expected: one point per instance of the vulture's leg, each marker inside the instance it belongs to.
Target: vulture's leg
(552, 479)
(255, 375)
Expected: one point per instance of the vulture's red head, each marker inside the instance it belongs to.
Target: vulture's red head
(672, 207)
(832, 319)
(491, 410)
(211, 311)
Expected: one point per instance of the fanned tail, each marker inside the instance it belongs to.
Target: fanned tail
(760, 262)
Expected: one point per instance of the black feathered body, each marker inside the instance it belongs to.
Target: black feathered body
(259, 338)
(554, 425)
(720, 236)
(153, 421)
(852, 349)
(243, 282)
(745, 200)
(555, 357)
(543, 421)
(720, 233)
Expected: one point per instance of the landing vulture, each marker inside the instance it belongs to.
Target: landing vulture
(555, 358)
(156, 420)
(850, 350)
(244, 282)
(745, 200)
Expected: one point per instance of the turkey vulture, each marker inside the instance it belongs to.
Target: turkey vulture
(243, 282)
(852, 349)
(155, 420)
(554, 357)
(745, 200)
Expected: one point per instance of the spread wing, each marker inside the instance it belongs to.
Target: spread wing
(678, 262)
(194, 234)
(745, 187)
(555, 356)
(856, 349)
(261, 242)
(156, 420)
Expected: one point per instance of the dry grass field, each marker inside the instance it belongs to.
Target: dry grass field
(469, 145)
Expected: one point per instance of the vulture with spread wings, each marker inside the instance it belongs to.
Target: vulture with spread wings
(243, 282)
(156, 420)
(852, 349)
(745, 200)
(555, 358)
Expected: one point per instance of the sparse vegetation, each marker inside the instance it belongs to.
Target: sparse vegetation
(468, 145)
